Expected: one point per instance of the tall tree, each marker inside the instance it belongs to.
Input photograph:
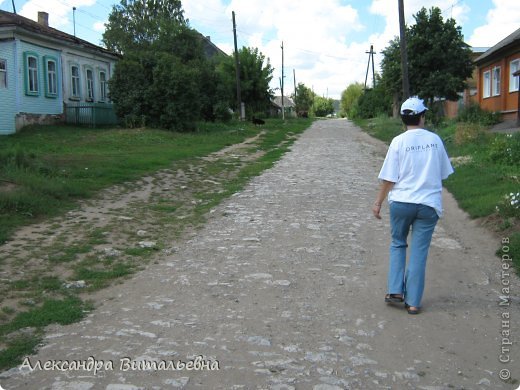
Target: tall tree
(323, 106)
(349, 98)
(303, 99)
(439, 60)
(137, 24)
(255, 75)
(164, 79)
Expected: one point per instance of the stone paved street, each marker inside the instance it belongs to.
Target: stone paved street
(284, 287)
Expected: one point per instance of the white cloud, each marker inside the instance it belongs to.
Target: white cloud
(99, 26)
(60, 13)
(314, 37)
(501, 21)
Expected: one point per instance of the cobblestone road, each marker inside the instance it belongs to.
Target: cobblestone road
(283, 289)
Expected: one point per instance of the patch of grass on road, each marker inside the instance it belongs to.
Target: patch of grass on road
(20, 336)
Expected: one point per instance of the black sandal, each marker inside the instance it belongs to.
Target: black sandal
(394, 298)
(410, 310)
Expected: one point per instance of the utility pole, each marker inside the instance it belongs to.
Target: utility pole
(14, 8)
(237, 69)
(74, 20)
(294, 77)
(281, 87)
(370, 57)
(404, 55)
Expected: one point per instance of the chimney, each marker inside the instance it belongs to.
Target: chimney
(43, 18)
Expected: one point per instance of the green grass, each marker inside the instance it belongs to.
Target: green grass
(16, 349)
(478, 186)
(63, 312)
(97, 278)
(382, 127)
(52, 311)
(50, 168)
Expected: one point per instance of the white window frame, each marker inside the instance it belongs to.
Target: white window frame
(89, 83)
(103, 86)
(33, 82)
(51, 77)
(495, 81)
(3, 73)
(513, 80)
(75, 87)
(486, 84)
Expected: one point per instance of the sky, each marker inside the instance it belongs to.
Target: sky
(325, 42)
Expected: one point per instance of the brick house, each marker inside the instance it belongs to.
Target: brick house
(497, 86)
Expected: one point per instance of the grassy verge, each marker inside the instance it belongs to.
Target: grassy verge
(487, 173)
(45, 172)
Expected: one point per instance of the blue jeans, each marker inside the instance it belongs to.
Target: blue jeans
(422, 220)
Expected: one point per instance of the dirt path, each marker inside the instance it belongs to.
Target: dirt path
(283, 289)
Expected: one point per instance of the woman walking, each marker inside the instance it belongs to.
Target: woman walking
(411, 177)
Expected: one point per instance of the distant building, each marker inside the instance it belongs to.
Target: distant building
(288, 104)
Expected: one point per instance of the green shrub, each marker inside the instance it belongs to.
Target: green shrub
(222, 113)
(509, 207)
(473, 113)
(373, 103)
(505, 149)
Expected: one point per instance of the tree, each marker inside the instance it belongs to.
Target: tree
(349, 98)
(137, 24)
(164, 79)
(303, 100)
(439, 60)
(323, 106)
(255, 75)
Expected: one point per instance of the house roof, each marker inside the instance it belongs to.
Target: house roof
(210, 49)
(8, 19)
(286, 100)
(504, 44)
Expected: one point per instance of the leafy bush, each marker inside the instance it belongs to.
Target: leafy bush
(473, 113)
(222, 112)
(510, 205)
(505, 149)
(372, 103)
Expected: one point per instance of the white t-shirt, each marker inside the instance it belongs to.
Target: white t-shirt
(417, 163)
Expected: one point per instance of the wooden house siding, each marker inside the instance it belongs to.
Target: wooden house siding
(84, 62)
(37, 58)
(40, 104)
(505, 102)
(500, 57)
(8, 94)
